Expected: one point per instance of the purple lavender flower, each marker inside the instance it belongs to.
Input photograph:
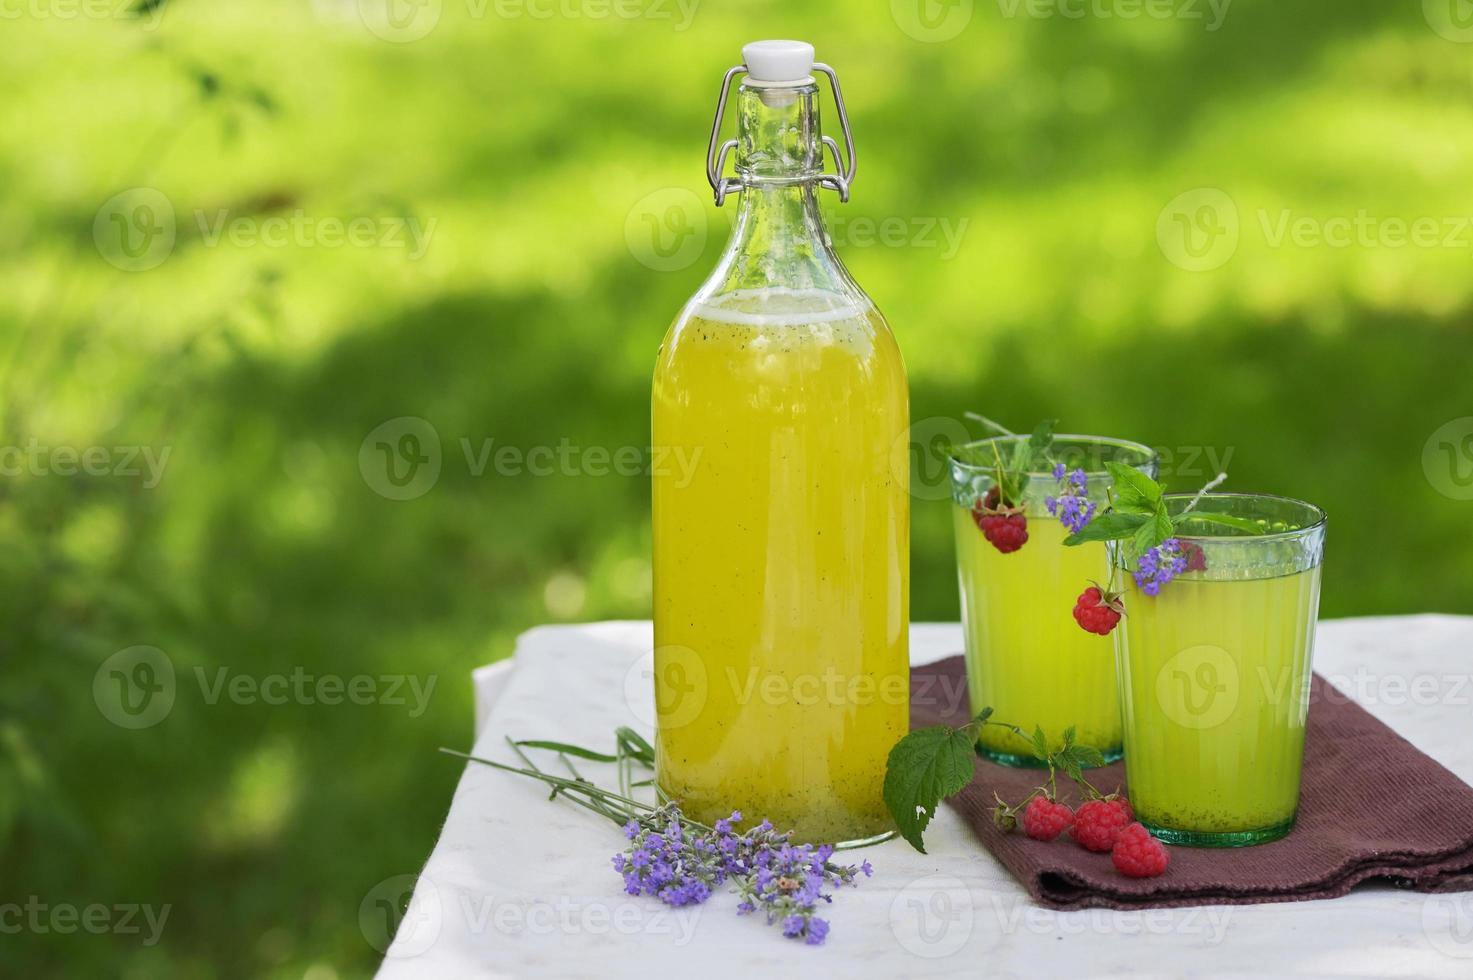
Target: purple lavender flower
(680, 864)
(1072, 505)
(1159, 565)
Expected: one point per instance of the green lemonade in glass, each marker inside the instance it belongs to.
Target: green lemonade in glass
(1026, 656)
(1214, 675)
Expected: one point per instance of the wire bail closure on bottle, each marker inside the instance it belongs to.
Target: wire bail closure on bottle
(716, 151)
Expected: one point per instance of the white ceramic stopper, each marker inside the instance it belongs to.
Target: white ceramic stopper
(778, 62)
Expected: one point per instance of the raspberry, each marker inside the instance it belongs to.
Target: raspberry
(1006, 529)
(1139, 855)
(1046, 819)
(1096, 613)
(1196, 559)
(1098, 822)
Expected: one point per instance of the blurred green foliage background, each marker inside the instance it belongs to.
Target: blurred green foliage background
(552, 152)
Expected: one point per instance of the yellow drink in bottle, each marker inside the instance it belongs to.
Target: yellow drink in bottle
(781, 550)
(780, 567)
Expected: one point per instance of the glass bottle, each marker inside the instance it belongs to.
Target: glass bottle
(781, 553)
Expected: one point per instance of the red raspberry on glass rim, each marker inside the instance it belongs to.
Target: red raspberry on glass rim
(1004, 526)
(1098, 611)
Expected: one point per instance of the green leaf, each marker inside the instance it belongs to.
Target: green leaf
(925, 767)
(1157, 529)
(1134, 491)
(573, 750)
(1225, 520)
(1109, 526)
(1042, 437)
(1088, 755)
(1040, 742)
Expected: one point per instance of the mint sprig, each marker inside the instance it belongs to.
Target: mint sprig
(1010, 475)
(1138, 511)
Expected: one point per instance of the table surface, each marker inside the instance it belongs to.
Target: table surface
(520, 886)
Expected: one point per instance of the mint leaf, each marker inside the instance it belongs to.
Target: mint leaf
(1225, 520)
(1134, 491)
(1109, 526)
(924, 767)
(1042, 437)
(1157, 529)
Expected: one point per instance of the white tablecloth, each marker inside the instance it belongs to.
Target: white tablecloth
(520, 886)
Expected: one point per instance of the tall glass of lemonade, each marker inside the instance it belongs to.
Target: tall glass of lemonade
(1215, 671)
(781, 559)
(1026, 656)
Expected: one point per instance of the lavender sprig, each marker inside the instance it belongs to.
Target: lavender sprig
(786, 881)
(682, 862)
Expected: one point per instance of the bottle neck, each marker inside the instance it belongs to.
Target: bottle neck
(779, 238)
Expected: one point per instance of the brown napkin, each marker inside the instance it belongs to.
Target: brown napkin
(1371, 806)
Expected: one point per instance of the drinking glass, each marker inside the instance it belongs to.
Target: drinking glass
(1026, 656)
(1215, 671)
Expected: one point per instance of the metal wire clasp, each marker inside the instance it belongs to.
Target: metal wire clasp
(716, 151)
